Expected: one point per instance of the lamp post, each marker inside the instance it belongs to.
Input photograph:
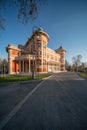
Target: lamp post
(3, 69)
(35, 30)
(33, 75)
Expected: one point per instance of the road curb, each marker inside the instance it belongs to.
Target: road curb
(48, 77)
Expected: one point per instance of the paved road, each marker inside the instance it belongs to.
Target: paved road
(58, 103)
(11, 94)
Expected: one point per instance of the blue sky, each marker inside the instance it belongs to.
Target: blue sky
(65, 21)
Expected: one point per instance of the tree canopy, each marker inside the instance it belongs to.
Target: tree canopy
(27, 9)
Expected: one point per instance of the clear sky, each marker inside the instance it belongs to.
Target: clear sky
(65, 21)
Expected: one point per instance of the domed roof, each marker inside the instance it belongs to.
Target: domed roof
(60, 49)
(38, 31)
(41, 31)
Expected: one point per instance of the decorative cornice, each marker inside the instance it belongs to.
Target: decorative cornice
(12, 47)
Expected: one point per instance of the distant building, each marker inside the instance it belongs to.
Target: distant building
(35, 53)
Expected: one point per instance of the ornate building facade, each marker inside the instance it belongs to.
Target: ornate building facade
(36, 55)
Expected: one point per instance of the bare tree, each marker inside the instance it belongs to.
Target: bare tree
(2, 20)
(3, 65)
(27, 9)
(67, 65)
(76, 61)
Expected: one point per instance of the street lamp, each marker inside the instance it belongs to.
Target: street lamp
(3, 69)
(33, 76)
(35, 30)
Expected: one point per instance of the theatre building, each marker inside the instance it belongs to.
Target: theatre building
(35, 54)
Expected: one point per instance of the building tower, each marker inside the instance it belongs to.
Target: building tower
(38, 47)
(62, 53)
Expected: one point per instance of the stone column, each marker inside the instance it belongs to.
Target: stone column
(23, 65)
(42, 56)
(9, 62)
(26, 66)
(29, 65)
(19, 66)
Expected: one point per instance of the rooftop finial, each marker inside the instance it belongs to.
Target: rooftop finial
(40, 29)
(61, 48)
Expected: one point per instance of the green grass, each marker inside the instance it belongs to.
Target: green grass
(84, 74)
(16, 78)
(40, 76)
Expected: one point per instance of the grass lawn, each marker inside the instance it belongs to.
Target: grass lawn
(15, 78)
(84, 74)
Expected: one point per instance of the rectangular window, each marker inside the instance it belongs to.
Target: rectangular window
(38, 45)
(55, 58)
(44, 53)
(44, 62)
(39, 53)
(44, 45)
(38, 62)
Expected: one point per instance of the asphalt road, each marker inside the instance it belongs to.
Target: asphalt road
(58, 103)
